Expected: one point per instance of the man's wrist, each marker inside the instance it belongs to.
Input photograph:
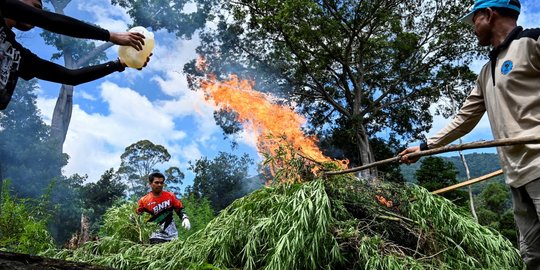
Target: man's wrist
(121, 65)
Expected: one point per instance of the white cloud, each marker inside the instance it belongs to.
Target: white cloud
(87, 96)
(110, 17)
(170, 56)
(96, 141)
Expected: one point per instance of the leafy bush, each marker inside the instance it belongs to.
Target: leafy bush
(23, 224)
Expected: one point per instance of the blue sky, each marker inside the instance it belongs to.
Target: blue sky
(155, 103)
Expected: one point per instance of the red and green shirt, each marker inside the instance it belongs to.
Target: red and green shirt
(161, 209)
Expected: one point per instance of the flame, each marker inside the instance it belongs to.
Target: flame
(273, 125)
(382, 200)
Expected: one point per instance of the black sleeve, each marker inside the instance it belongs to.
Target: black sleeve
(34, 67)
(180, 213)
(54, 22)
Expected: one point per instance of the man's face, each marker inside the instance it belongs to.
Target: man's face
(482, 27)
(25, 26)
(157, 185)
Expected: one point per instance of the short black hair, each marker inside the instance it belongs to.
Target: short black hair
(155, 175)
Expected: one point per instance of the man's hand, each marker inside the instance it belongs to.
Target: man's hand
(405, 159)
(133, 39)
(186, 224)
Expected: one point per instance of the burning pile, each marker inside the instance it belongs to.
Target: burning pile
(336, 223)
(278, 128)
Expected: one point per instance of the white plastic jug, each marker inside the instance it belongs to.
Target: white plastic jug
(131, 56)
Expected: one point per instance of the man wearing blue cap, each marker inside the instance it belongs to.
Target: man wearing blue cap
(507, 88)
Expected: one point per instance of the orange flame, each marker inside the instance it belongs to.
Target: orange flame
(382, 200)
(273, 124)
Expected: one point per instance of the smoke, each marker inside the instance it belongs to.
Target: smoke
(252, 183)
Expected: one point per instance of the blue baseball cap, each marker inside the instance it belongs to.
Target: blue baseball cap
(482, 4)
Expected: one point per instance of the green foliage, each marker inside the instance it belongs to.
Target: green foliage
(474, 246)
(335, 223)
(479, 164)
(353, 68)
(492, 197)
(436, 173)
(66, 207)
(495, 197)
(200, 213)
(384, 150)
(23, 224)
(26, 153)
(494, 210)
(139, 160)
(507, 227)
(29, 158)
(168, 14)
(99, 196)
(122, 223)
(221, 180)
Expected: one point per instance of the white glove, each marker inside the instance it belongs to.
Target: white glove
(186, 224)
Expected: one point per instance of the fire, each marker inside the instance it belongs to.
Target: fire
(382, 200)
(274, 125)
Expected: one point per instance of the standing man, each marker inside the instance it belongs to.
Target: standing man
(17, 61)
(160, 205)
(508, 89)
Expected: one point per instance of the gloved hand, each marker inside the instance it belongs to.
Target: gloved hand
(186, 224)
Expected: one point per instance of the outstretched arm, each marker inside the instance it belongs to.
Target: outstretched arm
(65, 25)
(35, 67)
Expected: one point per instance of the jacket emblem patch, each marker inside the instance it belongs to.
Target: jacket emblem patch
(507, 67)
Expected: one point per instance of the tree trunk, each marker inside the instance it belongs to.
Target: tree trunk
(471, 198)
(62, 115)
(64, 104)
(365, 153)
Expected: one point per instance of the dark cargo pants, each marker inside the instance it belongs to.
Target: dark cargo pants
(526, 201)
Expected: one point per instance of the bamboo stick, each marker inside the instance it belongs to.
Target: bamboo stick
(444, 149)
(468, 182)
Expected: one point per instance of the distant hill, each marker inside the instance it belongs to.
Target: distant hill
(479, 164)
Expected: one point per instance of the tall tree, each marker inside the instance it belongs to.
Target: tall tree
(99, 196)
(221, 180)
(77, 53)
(495, 210)
(27, 155)
(140, 159)
(173, 179)
(436, 173)
(355, 68)
(66, 206)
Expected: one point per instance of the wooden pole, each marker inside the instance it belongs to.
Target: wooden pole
(444, 149)
(469, 182)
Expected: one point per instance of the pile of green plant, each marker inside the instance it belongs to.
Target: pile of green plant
(336, 223)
